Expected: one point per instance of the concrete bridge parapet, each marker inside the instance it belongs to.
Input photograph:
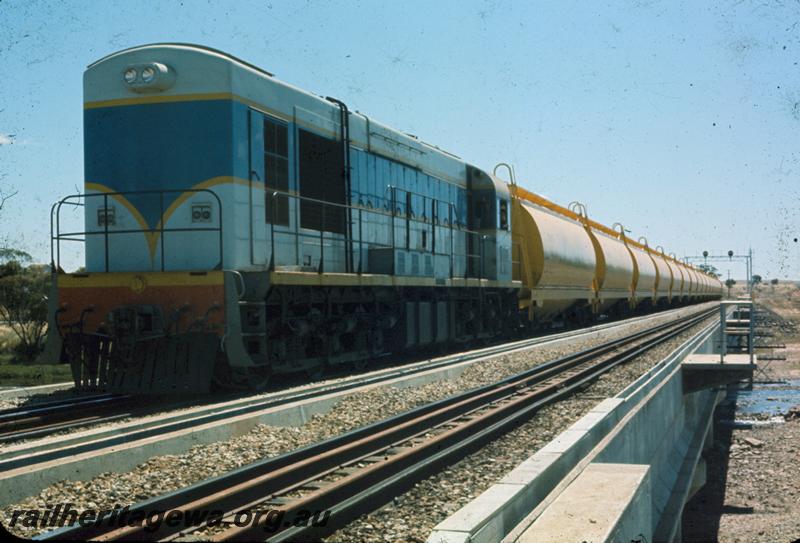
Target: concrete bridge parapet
(638, 453)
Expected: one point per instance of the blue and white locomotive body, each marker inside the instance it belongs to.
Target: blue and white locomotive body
(337, 238)
(207, 120)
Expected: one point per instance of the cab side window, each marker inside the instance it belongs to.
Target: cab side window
(502, 219)
(276, 171)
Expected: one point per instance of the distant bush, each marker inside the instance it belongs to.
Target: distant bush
(23, 301)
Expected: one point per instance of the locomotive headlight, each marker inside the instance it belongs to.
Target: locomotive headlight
(149, 77)
(148, 74)
(130, 75)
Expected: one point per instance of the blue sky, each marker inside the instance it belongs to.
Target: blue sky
(678, 119)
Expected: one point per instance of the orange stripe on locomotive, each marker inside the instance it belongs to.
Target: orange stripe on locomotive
(189, 295)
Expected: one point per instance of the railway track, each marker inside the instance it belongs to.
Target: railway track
(48, 417)
(108, 437)
(44, 419)
(358, 471)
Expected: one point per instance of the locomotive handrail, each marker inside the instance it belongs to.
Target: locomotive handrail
(511, 174)
(409, 217)
(57, 236)
(451, 227)
(451, 206)
(57, 247)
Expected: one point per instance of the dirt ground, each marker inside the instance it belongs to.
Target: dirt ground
(753, 487)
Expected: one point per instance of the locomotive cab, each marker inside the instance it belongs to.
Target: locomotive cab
(489, 204)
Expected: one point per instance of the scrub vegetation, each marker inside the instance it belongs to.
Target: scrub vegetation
(23, 322)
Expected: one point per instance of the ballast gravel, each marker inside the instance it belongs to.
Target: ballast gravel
(33, 399)
(411, 516)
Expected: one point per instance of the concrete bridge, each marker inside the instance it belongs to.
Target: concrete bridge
(624, 471)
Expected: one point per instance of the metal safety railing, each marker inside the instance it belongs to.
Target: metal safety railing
(391, 228)
(412, 222)
(743, 328)
(108, 232)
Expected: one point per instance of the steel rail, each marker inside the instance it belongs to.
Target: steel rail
(44, 429)
(110, 409)
(38, 421)
(11, 413)
(416, 440)
(43, 418)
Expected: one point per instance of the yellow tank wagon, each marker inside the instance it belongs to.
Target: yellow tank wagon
(574, 268)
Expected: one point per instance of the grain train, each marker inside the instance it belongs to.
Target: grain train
(237, 227)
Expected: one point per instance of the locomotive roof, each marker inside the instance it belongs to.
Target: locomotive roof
(365, 131)
(205, 49)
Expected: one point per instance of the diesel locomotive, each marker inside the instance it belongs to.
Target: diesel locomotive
(237, 227)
